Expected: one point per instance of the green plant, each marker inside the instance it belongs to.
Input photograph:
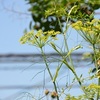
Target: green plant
(87, 27)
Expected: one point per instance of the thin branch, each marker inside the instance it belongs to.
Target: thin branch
(13, 10)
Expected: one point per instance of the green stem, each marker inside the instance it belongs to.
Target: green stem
(70, 59)
(76, 76)
(98, 89)
(95, 60)
(94, 57)
(95, 63)
(73, 72)
(66, 45)
(47, 67)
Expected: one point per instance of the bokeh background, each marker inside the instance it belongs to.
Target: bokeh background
(17, 78)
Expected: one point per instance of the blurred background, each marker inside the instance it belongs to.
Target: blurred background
(22, 72)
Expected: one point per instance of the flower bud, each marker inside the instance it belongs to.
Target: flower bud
(54, 94)
(46, 92)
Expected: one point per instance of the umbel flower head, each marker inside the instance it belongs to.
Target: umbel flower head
(94, 86)
(39, 38)
(90, 31)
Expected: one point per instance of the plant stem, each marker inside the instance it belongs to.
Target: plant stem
(73, 71)
(65, 41)
(70, 59)
(94, 57)
(98, 89)
(95, 60)
(47, 67)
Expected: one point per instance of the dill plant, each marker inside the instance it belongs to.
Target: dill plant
(88, 28)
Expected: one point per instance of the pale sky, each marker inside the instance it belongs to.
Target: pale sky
(12, 26)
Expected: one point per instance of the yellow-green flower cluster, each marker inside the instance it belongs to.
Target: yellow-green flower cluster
(39, 38)
(95, 86)
(77, 25)
(57, 10)
(27, 37)
(90, 31)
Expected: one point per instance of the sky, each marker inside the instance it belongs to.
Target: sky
(12, 25)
